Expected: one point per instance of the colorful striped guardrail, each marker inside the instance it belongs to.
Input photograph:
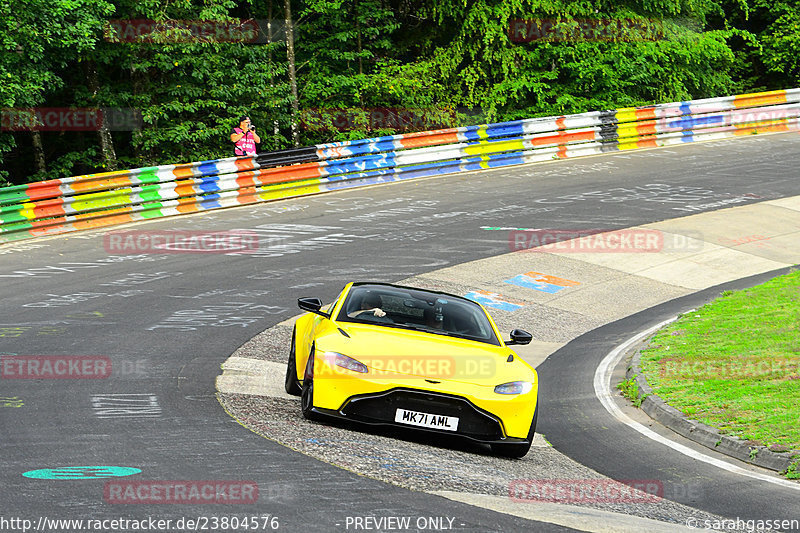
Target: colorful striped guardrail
(99, 200)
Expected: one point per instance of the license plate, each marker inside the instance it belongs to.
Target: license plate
(426, 420)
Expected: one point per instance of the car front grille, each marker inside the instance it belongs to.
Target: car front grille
(380, 408)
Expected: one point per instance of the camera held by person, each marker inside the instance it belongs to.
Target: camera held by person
(244, 137)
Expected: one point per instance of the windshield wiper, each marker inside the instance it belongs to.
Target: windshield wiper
(428, 329)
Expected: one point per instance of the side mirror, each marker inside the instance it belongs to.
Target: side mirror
(520, 336)
(312, 305)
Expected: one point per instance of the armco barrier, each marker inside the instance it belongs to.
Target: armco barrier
(98, 200)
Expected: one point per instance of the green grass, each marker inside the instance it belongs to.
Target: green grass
(630, 390)
(792, 472)
(735, 363)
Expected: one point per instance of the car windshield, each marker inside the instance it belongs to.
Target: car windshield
(417, 310)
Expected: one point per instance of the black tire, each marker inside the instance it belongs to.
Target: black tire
(307, 393)
(292, 384)
(518, 450)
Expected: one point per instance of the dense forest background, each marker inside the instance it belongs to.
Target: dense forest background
(440, 62)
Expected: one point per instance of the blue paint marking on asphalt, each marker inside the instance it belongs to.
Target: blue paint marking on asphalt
(489, 301)
(82, 472)
(526, 281)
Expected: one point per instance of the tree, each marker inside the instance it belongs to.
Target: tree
(191, 89)
(341, 46)
(38, 39)
(470, 58)
(427, 56)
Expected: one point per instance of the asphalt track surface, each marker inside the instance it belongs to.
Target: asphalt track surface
(167, 321)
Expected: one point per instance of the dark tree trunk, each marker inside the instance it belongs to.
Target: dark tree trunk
(270, 38)
(358, 33)
(140, 85)
(103, 134)
(292, 75)
(38, 152)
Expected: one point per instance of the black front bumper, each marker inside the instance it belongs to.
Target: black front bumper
(379, 410)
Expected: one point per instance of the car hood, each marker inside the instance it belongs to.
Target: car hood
(394, 351)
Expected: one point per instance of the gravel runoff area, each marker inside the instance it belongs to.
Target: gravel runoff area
(422, 462)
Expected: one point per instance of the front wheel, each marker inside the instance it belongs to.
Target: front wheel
(292, 386)
(307, 393)
(516, 450)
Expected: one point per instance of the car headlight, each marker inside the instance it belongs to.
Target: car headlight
(346, 362)
(514, 387)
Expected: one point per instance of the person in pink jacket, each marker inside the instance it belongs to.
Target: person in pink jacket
(244, 137)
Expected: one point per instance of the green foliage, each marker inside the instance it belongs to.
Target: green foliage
(191, 91)
(479, 66)
(39, 37)
(452, 62)
(781, 42)
(630, 390)
(793, 472)
(38, 40)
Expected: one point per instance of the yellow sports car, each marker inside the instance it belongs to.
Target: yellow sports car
(385, 354)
